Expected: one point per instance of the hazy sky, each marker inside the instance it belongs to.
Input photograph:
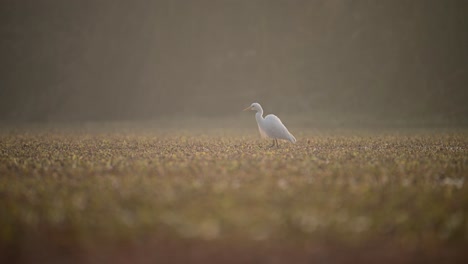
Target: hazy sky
(125, 60)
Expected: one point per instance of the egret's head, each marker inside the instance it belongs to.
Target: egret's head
(254, 107)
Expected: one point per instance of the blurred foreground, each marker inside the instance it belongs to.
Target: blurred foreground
(136, 195)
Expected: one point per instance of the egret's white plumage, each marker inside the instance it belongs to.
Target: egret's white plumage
(270, 126)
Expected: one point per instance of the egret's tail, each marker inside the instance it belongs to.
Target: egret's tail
(291, 138)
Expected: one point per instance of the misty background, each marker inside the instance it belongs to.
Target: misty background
(380, 60)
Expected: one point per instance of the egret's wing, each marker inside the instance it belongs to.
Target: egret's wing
(275, 128)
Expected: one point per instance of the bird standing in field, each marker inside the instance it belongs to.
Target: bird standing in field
(270, 126)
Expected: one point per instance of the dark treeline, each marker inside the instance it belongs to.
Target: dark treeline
(121, 60)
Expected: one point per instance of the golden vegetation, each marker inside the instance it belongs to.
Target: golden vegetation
(83, 189)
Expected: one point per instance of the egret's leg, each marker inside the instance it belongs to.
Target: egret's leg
(277, 144)
(273, 143)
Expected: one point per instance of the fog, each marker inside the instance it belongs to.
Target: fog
(382, 60)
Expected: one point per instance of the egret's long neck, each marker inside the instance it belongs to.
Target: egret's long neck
(259, 116)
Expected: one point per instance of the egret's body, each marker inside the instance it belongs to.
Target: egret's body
(270, 126)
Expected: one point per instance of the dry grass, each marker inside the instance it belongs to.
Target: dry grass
(227, 197)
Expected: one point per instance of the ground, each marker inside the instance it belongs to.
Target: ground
(80, 195)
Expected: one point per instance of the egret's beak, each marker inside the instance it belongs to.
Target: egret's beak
(248, 108)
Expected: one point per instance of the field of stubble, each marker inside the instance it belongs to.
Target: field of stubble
(188, 197)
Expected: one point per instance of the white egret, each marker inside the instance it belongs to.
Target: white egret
(270, 126)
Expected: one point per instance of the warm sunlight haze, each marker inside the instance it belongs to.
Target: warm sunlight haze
(123, 140)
